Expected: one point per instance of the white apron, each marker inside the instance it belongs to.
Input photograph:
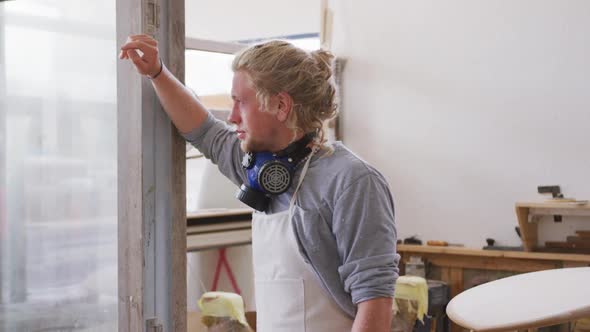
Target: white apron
(289, 297)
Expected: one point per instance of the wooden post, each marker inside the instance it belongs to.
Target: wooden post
(453, 277)
(151, 189)
(528, 230)
(456, 281)
(173, 37)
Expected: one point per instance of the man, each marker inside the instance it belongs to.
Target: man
(324, 241)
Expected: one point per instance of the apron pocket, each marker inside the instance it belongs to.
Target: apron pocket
(280, 305)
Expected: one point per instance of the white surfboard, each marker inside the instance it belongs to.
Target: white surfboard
(526, 300)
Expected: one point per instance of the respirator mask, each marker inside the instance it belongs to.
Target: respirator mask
(271, 173)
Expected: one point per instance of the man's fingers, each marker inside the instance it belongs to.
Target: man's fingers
(137, 61)
(144, 47)
(141, 35)
(145, 38)
(134, 56)
(142, 50)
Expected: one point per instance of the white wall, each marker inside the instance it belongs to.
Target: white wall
(231, 20)
(467, 106)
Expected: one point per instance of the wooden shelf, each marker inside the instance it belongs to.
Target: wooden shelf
(453, 260)
(209, 213)
(226, 226)
(459, 251)
(218, 228)
(529, 213)
(204, 241)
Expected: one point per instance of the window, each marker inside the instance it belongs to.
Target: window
(58, 165)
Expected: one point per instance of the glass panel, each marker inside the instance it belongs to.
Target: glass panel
(230, 20)
(58, 166)
(209, 75)
(308, 43)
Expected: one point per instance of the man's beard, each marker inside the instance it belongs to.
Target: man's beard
(252, 146)
(260, 145)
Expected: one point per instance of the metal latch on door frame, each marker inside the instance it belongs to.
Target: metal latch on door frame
(151, 20)
(153, 324)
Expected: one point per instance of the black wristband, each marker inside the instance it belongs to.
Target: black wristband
(159, 72)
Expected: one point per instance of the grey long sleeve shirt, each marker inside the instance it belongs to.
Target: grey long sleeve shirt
(348, 235)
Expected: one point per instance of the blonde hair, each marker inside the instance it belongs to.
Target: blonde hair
(278, 66)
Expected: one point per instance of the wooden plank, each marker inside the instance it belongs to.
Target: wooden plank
(568, 244)
(196, 242)
(194, 323)
(521, 263)
(577, 205)
(565, 327)
(130, 169)
(454, 278)
(575, 264)
(528, 231)
(418, 249)
(578, 239)
(218, 216)
(547, 256)
(206, 45)
(448, 250)
(177, 292)
(584, 251)
(151, 161)
(558, 244)
(564, 211)
(218, 227)
(445, 274)
(456, 285)
(490, 263)
(207, 213)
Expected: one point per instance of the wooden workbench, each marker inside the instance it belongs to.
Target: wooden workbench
(463, 268)
(453, 261)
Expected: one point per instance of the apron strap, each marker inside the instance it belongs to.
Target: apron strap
(300, 180)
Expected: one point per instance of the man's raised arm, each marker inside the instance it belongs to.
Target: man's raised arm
(182, 106)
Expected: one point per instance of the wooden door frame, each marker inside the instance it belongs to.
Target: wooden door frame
(151, 180)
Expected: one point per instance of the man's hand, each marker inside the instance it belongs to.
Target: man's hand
(148, 61)
(181, 105)
(374, 315)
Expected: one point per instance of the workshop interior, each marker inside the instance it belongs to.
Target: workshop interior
(476, 114)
